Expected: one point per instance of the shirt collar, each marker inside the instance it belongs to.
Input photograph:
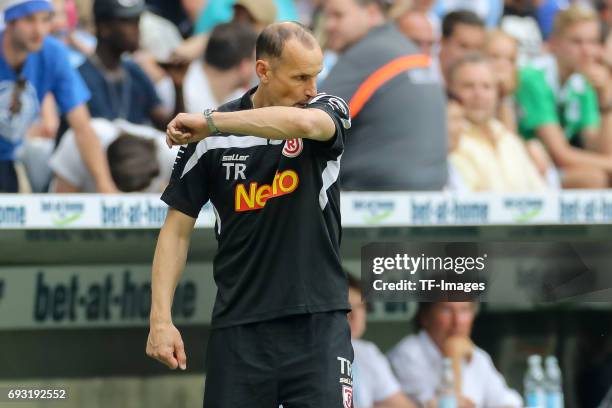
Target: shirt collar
(246, 102)
(432, 351)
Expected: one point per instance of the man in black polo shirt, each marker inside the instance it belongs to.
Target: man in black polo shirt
(269, 164)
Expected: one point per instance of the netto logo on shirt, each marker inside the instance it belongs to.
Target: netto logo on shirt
(285, 182)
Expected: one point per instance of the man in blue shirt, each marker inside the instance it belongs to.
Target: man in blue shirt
(120, 88)
(33, 64)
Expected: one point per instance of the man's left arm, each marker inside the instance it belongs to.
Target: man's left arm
(90, 149)
(274, 122)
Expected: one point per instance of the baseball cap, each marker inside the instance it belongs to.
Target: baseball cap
(14, 9)
(118, 8)
(263, 11)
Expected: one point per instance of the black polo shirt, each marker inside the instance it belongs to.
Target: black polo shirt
(278, 217)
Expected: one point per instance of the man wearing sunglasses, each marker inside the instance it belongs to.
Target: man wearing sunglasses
(33, 64)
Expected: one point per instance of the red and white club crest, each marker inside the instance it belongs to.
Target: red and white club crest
(347, 396)
(293, 147)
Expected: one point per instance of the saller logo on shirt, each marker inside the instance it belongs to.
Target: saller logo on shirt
(285, 182)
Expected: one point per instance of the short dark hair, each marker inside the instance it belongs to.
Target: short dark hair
(229, 44)
(133, 162)
(273, 38)
(423, 308)
(453, 19)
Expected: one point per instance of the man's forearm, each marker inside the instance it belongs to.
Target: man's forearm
(606, 133)
(277, 122)
(90, 149)
(168, 264)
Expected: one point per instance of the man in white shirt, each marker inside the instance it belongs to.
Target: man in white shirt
(445, 332)
(374, 385)
(225, 70)
(139, 159)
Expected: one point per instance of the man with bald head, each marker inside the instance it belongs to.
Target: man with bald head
(268, 162)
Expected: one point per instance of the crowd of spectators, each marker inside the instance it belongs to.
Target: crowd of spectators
(459, 95)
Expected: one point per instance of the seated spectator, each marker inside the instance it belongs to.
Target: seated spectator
(502, 50)
(32, 65)
(374, 385)
(445, 331)
(395, 142)
(256, 13)
(225, 70)
(138, 157)
(559, 106)
(120, 88)
(489, 156)
(463, 32)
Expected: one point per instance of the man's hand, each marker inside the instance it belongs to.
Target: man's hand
(599, 78)
(464, 402)
(166, 345)
(186, 128)
(458, 347)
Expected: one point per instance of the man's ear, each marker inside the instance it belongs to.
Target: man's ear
(262, 69)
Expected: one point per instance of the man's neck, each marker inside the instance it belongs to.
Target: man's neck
(564, 72)
(109, 58)
(15, 58)
(222, 85)
(260, 98)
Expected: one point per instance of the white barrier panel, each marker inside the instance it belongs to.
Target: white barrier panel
(86, 211)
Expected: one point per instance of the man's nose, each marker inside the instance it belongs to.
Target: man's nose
(311, 88)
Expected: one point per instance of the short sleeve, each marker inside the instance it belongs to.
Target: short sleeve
(536, 101)
(338, 110)
(187, 191)
(67, 87)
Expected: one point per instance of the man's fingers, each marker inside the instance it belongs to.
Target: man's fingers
(168, 359)
(181, 356)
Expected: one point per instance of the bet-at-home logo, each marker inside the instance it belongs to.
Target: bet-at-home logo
(374, 211)
(524, 209)
(62, 213)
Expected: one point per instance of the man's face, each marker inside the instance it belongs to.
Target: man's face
(419, 29)
(503, 53)
(29, 32)
(464, 40)
(446, 319)
(292, 78)
(125, 34)
(357, 317)
(346, 22)
(475, 86)
(577, 46)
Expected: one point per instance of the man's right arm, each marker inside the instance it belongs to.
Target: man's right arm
(565, 155)
(164, 343)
